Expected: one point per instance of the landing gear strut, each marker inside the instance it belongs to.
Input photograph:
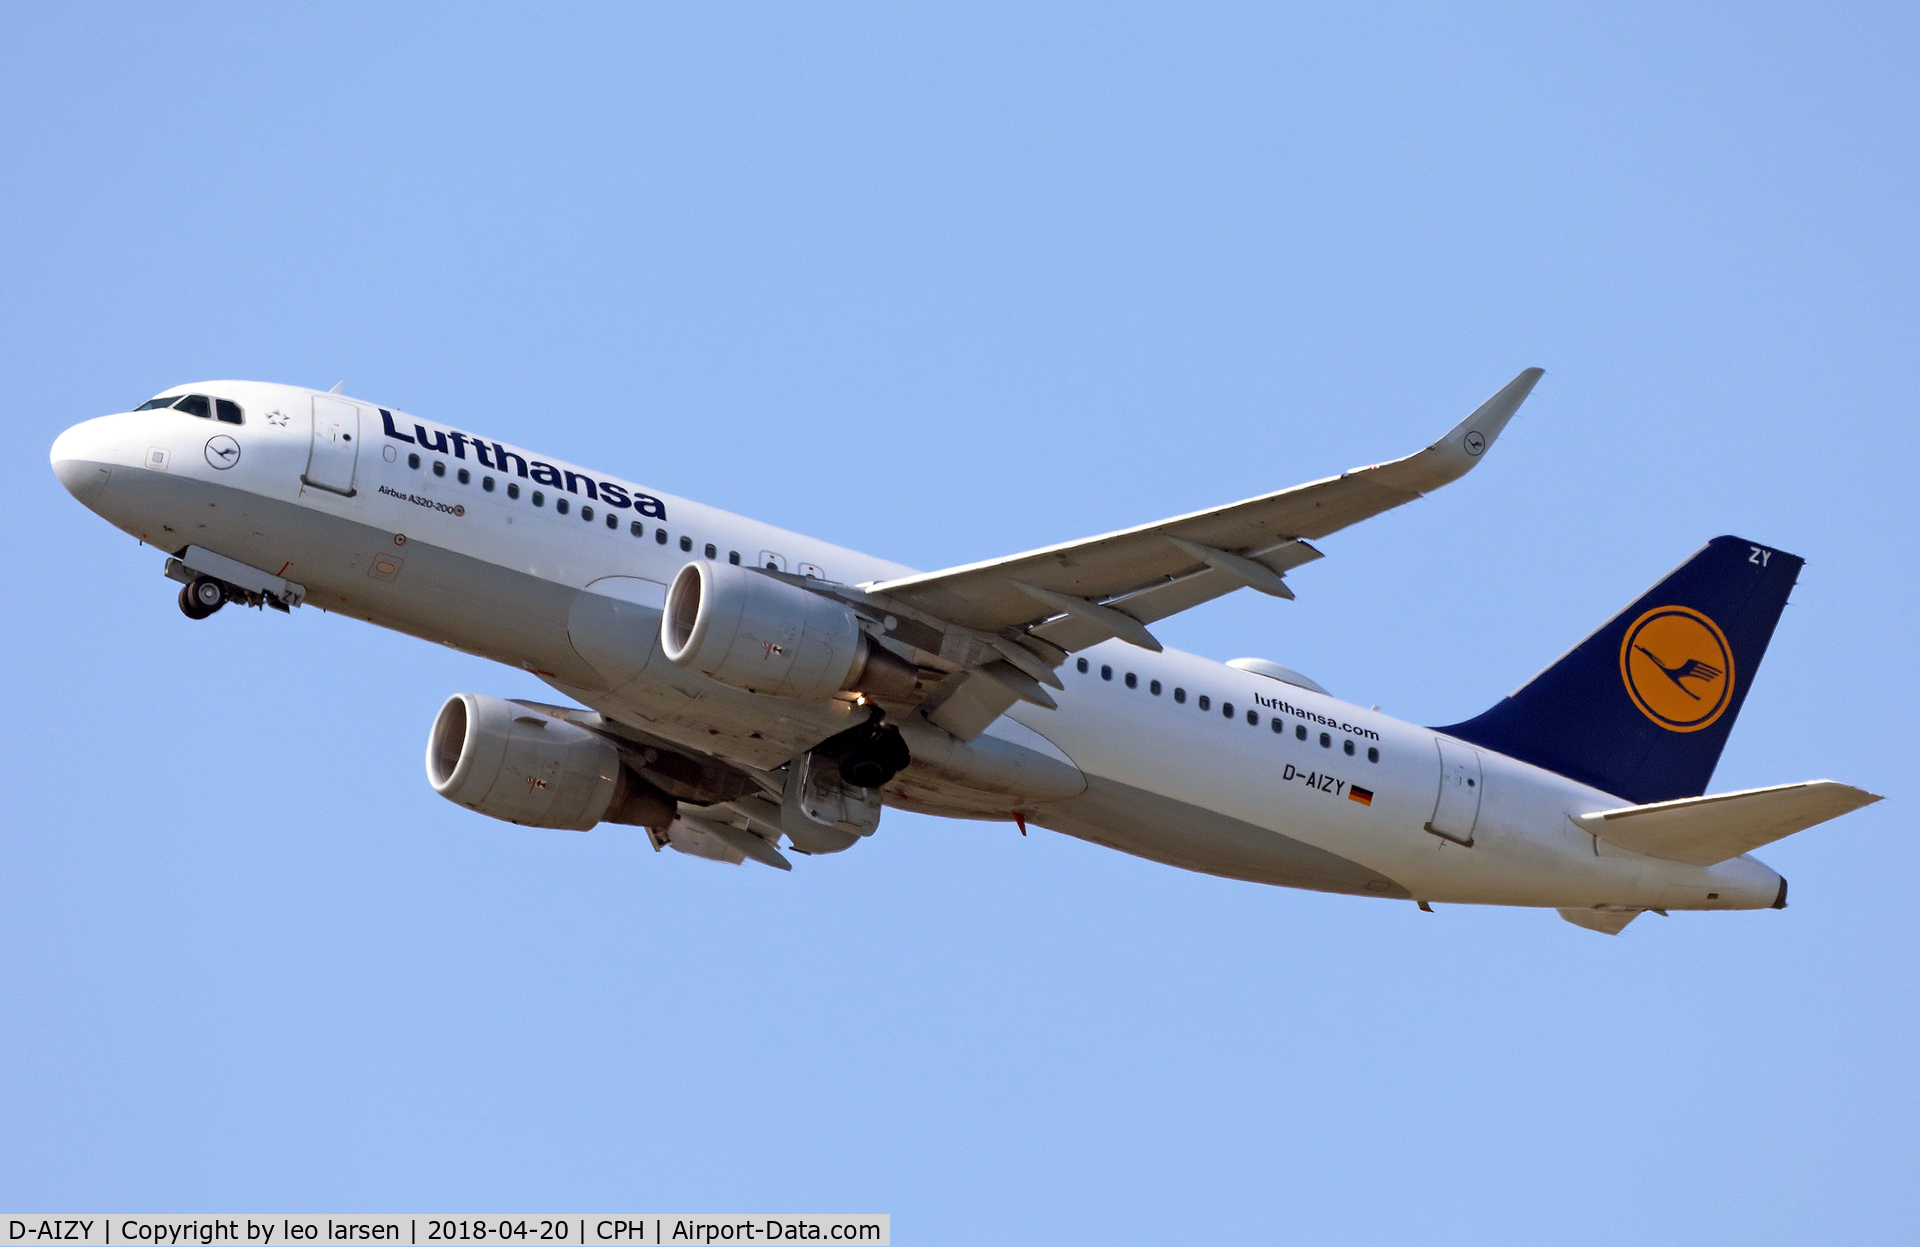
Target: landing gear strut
(202, 597)
(869, 755)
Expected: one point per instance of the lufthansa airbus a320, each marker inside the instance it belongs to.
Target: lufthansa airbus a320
(740, 690)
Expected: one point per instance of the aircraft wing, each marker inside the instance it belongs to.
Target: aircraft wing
(1024, 613)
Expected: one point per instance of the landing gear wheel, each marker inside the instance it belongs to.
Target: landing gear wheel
(869, 755)
(203, 597)
(866, 770)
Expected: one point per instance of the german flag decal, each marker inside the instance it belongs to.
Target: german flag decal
(1363, 795)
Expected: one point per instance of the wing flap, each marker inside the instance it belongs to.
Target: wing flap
(1170, 597)
(1703, 830)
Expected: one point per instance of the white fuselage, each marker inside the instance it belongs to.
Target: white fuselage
(570, 598)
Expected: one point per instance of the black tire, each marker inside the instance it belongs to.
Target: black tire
(876, 758)
(865, 769)
(869, 754)
(203, 597)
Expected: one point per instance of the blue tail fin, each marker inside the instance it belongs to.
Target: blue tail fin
(1642, 708)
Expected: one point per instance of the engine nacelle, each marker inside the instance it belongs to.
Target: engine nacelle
(516, 764)
(755, 632)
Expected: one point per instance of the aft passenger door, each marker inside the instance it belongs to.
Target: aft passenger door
(336, 445)
(1456, 809)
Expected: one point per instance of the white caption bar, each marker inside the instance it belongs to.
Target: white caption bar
(627, 1230)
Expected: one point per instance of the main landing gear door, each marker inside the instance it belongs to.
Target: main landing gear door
(1456, 810)
(336, 445)
(821, 812)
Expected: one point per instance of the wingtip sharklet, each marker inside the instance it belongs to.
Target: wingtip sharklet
(1454, 455)
(1490, 417)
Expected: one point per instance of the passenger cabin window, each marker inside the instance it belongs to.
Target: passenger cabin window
(733, 557)
(1226, 710)
(713, 551)
(1133, 681)
(1373, 755)
(513, 489)
(1205, 704)
(1106, 673)
(1278, 727)
(660, 536)
(686, 544)
(1349, 748)
(413, 461)
(1154, 688)
(195, 405)
(439, 468)
(1300, 732)
(1080, 665)
(613, 521)
(637, 529)
(1253, 718)
(539, 499)
(560, 505)
(1180, 695)
(465, 476)
(486, 483)
(586, 513)
(228, 412)
(1326, 741)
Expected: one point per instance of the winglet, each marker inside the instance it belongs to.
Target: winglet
(1454, 455)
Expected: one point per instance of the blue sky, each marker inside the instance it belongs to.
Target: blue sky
(946, 284)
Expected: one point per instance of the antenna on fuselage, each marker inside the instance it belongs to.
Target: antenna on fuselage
(337, 387)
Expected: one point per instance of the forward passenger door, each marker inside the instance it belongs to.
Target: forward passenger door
(336, 445)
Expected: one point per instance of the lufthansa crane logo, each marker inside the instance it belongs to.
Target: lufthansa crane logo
(1677, 667)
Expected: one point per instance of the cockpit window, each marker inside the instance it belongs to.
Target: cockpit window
(154, 404)
(229, 412)
(195, 405)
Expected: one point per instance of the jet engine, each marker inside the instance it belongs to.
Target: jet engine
(751, 630)
(513, 763)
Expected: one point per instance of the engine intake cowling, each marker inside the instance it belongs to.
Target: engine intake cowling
(513, 763)
(762, 634)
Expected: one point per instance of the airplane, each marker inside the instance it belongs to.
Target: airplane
(739, 689)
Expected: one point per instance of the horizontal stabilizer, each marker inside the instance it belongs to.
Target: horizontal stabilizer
(1703, 830)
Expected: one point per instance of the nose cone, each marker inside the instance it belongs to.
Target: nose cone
(83, 459)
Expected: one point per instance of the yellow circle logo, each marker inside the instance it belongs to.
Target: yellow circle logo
(1678, 668)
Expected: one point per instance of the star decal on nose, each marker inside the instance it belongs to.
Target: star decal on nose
(277, 418)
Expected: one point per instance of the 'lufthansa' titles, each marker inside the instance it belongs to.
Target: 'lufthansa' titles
(498, 458)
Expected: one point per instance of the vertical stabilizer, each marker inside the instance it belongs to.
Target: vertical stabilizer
(1642, 707)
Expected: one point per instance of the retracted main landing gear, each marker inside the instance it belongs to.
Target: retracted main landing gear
(868, 755)
(201, 597)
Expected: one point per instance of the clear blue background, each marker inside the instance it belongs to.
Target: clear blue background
(946, 285)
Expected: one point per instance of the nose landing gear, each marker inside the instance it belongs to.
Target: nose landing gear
(201, 597)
